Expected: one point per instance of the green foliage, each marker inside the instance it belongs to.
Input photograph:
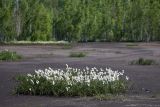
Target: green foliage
(59, 89)
(9, 56)
(77, 54)
(80, 20)
(7, 31)
(67, 46)
(71, 82)
(142, 61)
(131, 45)
(38, 25)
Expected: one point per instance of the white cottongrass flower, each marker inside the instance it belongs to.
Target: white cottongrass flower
(29, 75)
(37, 82)
(53, 82)
(74, 75)
(127, 78)
(32, 81)
(67, 88)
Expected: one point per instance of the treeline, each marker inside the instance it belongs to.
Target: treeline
(80, 20)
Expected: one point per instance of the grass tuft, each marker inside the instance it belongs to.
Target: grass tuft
(142, 61)
(131, 45)
(9, 56)
(77, 54)
(67, 46)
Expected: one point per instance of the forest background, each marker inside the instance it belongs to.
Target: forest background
(80, 20)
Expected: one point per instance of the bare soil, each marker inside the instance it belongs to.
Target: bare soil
(144, 80)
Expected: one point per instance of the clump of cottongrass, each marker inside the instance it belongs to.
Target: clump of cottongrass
(74, 81)
(86, 75)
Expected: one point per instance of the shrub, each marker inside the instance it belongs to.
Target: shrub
(9, 56)
(131, 45)
(67, 46)
(72, 82)
(142, 61)
(77, 54)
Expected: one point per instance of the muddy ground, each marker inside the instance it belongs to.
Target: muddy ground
(144, 80)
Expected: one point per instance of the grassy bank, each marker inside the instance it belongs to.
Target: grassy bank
(35, 43)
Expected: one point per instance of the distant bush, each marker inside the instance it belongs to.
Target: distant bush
(66, 46)
(131, 45)
(77, 54)
(9, 56)
(142, 61)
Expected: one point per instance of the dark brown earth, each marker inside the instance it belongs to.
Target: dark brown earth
(145, 80)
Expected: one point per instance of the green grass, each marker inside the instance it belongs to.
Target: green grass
(45, 87)
(9, 56)
(70, 82)
(131, 45)
(77, 54)
(36, 43)
(67, 46)
(142, 61)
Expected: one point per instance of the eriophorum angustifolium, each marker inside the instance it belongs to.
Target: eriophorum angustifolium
(72, 82)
